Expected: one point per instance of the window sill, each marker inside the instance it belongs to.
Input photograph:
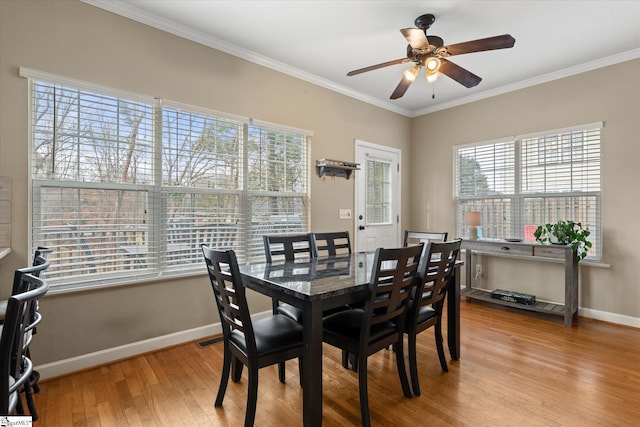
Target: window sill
(75, 288)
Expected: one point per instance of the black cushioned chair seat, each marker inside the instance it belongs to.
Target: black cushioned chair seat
(273, 335)
(426, 313)
(290, 311)
(348, 324)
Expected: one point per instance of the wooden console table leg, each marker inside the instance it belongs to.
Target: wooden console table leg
(570, 288)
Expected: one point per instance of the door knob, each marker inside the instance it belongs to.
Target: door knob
(361, 227)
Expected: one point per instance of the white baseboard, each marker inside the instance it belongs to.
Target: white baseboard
(90, 360)
(619, 319)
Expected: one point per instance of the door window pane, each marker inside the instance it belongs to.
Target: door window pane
(378, 192)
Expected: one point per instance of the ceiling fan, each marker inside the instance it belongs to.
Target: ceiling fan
(429, 52)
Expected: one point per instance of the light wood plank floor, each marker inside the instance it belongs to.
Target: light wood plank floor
(516, 369)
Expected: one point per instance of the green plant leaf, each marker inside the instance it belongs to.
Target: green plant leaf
(567, 232)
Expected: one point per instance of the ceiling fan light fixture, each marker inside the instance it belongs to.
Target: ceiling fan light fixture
(411, 72)
(432, 77)
(432, 65)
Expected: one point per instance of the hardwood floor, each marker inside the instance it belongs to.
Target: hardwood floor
(516, 369)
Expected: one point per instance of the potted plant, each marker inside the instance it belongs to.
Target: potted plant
(565, 233)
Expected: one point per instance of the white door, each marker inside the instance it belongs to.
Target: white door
(377, 198)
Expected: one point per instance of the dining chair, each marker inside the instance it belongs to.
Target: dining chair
(330, 243)
(426, 304)
(39, 265)
(333, 243)
(288, 247)
(15, 366)
(39, 258)
(380, 323)
(415, 237)
(265, 342)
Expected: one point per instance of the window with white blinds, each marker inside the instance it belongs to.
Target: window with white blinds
(126, 188)
(520, 183)
(277, 185)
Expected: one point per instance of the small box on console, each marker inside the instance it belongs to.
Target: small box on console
(514, 297)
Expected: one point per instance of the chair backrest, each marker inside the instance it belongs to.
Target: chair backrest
(415, 237)
(229, 293)
(15, 367)
(330, 244)
(39, 265)
(393, 279)
(435, 273)
(41, 251)
(287, 246)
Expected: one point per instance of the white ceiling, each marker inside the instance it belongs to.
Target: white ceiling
(320, 41)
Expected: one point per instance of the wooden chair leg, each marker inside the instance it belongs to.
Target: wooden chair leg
(440, 347)
(402, 370)
(364, 392)
(349, 361)
(252, 396)
(224, 379)
(281, 372)
(354, 362)
(236, 369)
(413, 364)
(300, 360)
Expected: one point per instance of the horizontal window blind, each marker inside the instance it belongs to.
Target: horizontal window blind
(519, 184)
(202, 177)
(88, 137)
(278, 183)
(125, 189)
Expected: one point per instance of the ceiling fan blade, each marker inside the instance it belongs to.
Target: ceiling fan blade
(401, 88)
(375, 67)
(419, 40)
(491, 43)
(415, 37)
(459, 74)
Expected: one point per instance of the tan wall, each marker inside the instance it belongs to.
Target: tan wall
(79, 41)
(610, 95)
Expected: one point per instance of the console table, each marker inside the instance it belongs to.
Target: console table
(533, 251)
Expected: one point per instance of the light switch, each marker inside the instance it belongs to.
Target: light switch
(345, 214)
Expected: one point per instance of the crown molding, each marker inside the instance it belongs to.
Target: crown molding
(120, 8)
(544, 78)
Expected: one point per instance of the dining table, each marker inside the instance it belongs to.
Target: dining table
(319, 284)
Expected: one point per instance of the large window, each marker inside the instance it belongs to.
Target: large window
(519, 183)
(127, 187)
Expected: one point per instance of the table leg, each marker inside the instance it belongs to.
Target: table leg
(453, 315)
(312, 366)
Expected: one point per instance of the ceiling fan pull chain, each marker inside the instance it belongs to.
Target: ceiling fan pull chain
(433, 93)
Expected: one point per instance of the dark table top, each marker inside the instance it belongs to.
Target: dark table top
(313, 279)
